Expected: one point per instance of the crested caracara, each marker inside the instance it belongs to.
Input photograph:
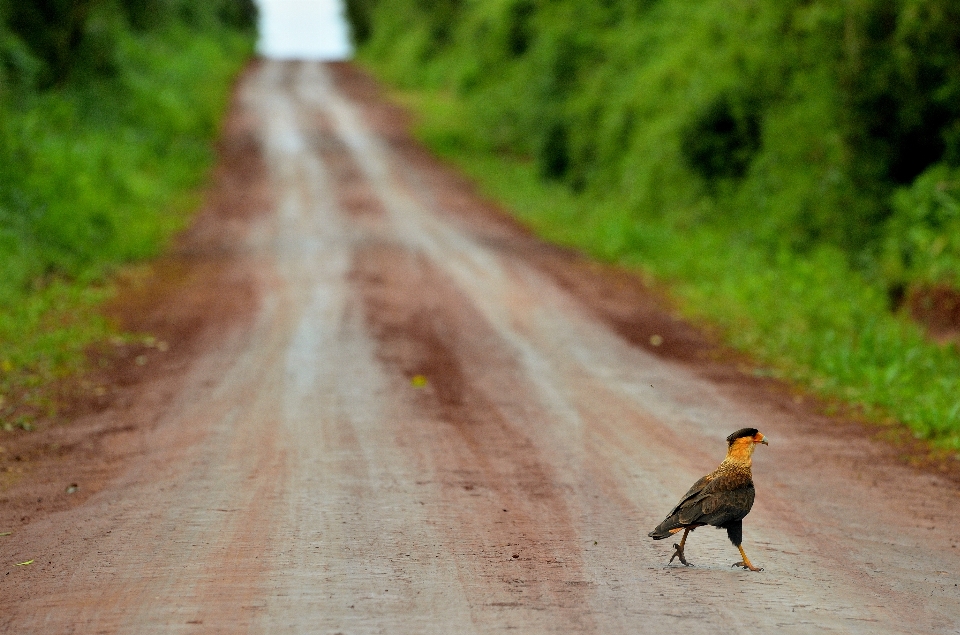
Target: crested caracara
(721, 498)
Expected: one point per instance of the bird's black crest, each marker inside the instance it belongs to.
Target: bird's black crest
(742, 432)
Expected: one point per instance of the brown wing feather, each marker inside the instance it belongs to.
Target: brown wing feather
(696, 489)
(718, 498)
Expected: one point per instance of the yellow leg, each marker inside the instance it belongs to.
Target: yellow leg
(746, 561)
(679, 549)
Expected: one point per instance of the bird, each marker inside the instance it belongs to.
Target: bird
(720, 499)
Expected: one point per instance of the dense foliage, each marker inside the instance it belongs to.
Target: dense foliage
(108, 109)
(798, 123)
(791, 168)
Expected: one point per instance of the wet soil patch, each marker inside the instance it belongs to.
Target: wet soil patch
(353, 192)
(405, 314)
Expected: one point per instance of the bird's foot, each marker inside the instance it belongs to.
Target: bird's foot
(679, 554)
(747, 565)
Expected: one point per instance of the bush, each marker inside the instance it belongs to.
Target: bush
(799, 120)
(923, 244)
(105, 133)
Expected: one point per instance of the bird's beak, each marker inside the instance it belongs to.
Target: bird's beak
(763, 440)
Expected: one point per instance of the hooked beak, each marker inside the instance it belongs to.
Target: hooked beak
(764, 441)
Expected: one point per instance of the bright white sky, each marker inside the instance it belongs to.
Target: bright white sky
(304, 29)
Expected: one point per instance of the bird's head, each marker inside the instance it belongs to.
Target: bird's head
(741, 443)
(746, 435)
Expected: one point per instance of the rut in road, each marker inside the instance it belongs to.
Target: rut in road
(307, 481)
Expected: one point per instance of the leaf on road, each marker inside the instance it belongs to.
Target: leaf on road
(23, 564)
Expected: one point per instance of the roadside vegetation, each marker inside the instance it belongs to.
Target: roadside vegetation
(108, 113)
(791, 170)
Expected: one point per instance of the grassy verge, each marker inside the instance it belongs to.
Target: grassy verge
(95, 172)
(790, 169)
(810, 319)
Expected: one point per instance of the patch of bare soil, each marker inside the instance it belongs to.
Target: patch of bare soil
(937, 308)
(418, 317)
(640, 313)
(173, 310)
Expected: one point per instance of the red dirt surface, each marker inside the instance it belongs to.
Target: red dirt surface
(937, 308)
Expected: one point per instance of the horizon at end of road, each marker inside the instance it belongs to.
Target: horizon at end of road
(315, 30)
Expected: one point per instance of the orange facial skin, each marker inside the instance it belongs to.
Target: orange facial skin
(741, 450)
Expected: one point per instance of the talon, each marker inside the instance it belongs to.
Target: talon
(745, 563)
(679, 554)
(675, 554)
(747, 566)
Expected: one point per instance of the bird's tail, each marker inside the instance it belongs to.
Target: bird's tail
(667, 528)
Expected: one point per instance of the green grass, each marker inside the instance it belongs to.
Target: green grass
(98, 172)
(810, 319)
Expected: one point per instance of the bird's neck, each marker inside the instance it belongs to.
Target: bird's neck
(740, 455)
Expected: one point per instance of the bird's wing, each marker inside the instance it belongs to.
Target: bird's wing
(694, 491)
(723, 498)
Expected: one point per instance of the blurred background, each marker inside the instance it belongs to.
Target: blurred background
(788, 170)
(109, 113)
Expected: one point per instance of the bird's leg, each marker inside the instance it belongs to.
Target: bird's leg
(679, 549)
(745, 563)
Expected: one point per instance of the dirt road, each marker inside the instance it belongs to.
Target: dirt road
(431, 423)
